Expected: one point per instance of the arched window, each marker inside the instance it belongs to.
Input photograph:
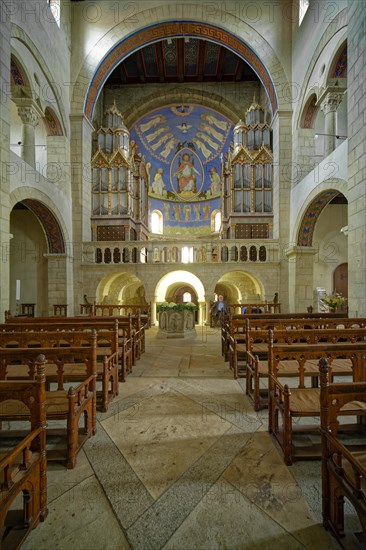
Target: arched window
(55, 9)
(215, 220)
(187, 297)
(187, 254)
(157, 222)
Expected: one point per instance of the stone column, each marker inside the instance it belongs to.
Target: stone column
(5, 163)
(207, 301)
(356, 158)
(301, 277)
(282, 183)
(30, 115)
(329, 107)
(153, 312)
(201, 306)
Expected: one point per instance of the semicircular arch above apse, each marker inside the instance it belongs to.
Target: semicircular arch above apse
(182, 145)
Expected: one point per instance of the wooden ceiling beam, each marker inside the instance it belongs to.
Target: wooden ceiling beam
(160, 57)
(140, 66)
(180, 59)
(220, 64)
(239, 70)
(201, 59)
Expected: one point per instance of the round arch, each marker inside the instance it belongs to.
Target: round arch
(113, 285)
(179, 276)
(18, 33)
(336, 25)
(311, 210)
(51, 219)
(239, 280)
(159, 31)
(263, 57)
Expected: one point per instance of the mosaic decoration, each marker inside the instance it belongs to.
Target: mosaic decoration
(340, 70)
(310, 112)
(16, 74)
(182, 146)
(311, 216)
(50, 225)
(172, 29)
(52, 124)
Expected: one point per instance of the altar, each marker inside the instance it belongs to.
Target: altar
(176, 324)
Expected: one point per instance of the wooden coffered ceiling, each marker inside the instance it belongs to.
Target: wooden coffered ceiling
(181, 60)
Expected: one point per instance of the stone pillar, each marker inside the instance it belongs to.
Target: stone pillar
(59, 281)
(201, 306)
(301, 277)
(329, 106)
(5, 163)
(153, 312)
(356, 48)
(80, 156)
(282, 182)
(30, 115)
(207, 301)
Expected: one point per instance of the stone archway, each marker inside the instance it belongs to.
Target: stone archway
(225, 27)
(161, 31)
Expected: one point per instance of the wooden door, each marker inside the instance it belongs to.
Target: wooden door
(340, 280)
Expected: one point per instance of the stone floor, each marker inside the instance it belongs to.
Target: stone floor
(181, 461)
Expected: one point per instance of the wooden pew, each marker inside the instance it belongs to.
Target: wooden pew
(107, 354)
(288, 404)
(23, 468)
(111, 310)
(343, 467)
(257, 346)
(237, 333)
(125, 332)
(234, 329)
(70, 405)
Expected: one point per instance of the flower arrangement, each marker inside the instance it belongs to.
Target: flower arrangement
(334, 301)
(171, 306)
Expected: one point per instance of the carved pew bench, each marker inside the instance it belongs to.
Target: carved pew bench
(107, 356)
(343, 467)
(23, 466)
(288, 405)
(75, 406)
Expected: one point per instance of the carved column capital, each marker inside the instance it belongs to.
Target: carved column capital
(29, 115)
(331, 102)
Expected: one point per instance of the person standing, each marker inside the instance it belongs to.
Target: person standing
(220, 309)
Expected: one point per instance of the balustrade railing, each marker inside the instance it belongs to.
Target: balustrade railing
(162, 252)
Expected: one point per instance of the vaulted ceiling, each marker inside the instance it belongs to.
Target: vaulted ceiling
(181, 60)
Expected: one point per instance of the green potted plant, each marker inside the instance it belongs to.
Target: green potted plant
(333, 301)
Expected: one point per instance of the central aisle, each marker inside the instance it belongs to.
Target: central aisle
(179, 461)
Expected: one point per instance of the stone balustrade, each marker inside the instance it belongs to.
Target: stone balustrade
(186, 252)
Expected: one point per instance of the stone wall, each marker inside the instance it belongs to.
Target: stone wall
(357, 157)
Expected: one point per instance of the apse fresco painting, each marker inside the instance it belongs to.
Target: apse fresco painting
(182, 146)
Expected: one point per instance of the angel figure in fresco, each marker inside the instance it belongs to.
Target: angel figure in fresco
(169, 147)
(177, 212)
(187, 212)
(208, 140)
(202, 147)
(197, 211)
(186, 174)
(160, 142)
(211, 119)
(212, 132)
(157, 133)
(158, 184)
(157, 119)
(166, 207)
(215, 181)
(206, 210)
